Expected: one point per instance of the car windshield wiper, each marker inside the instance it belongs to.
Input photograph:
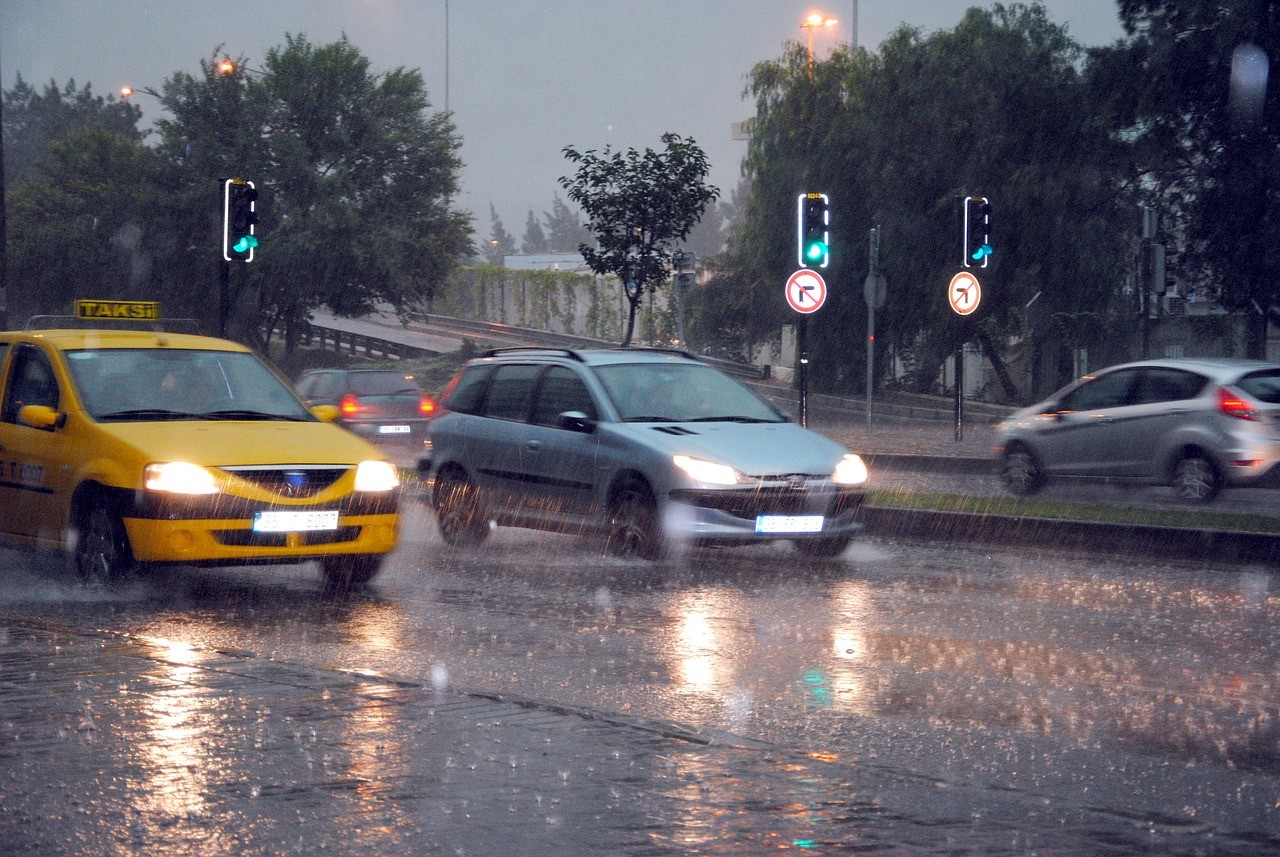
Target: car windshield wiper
(235, 414)
(730, 419)
(646, 418)
(143, 414)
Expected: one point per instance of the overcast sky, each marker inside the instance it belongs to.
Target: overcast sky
(524, 78)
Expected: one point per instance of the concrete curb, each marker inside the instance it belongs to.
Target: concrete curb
(1095, 537)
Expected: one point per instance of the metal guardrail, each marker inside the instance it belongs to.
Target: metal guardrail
(357, 344)
(569, 340)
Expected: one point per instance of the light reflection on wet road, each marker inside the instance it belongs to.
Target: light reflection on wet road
(1148, 690)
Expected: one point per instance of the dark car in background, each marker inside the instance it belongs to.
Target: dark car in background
(1198, 425)
(383, 406)
(651, 448)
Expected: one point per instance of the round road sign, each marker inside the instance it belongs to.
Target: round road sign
(964, 293)
(806, 291)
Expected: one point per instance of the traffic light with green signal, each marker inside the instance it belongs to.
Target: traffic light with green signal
(813, 217)
(977, 232)
(239, 220)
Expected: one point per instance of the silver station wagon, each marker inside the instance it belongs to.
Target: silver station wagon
(653, 449)
(1198, 425)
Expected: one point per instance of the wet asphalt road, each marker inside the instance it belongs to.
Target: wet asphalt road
(1119, 705)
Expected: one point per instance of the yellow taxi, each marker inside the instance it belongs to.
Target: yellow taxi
(129, 447)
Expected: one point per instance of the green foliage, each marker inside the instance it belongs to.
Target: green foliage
(356, 178)
(1205, 158)
(897, 139)
(638, 207)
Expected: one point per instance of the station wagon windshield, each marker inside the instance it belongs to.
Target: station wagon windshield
(141, 384)
(684, 392)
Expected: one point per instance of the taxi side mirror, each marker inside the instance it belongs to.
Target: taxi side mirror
(40, 416)
(325, 413)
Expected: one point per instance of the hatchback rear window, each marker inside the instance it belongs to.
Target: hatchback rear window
(381, 383)
(1263, 385)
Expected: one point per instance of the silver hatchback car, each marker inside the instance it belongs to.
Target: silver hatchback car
(1198, 425)
(651, 448)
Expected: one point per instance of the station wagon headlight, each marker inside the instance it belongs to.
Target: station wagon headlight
(179, 477)
(376, 476)
(707, 471)
(850, 471)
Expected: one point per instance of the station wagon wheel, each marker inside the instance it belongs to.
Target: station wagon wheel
(348, 572)
(102, 554)
(1195, 478)
(822, 548)
(634, 529)
(459, 514)
(1021, 471)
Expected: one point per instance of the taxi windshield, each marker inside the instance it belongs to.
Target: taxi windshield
(147, 384)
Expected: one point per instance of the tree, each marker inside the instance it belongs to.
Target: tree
(563, 228)
(86, 226)
(535, 240)
(356, 178)
(638, 207)
(1205, 149)
(897, 139)
(34, 120)
(502, 243)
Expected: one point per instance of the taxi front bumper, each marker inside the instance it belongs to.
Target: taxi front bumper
(220, 529)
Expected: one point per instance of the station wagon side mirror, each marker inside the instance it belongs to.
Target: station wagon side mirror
(325, 413)
(41, 417)
(577, 421)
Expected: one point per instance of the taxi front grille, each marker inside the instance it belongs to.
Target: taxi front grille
(284, 481)
(251, 539)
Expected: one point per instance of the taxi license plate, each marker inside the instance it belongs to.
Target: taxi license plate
(294, 522)
(393, 429)
(788, 523)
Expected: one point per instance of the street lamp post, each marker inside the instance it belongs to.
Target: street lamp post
(811, 23)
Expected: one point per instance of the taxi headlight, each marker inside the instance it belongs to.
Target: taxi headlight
(179, 477)
(707, 471)
(850, 471)
(377, 476)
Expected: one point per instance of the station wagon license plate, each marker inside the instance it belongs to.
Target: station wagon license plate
(788, 523)
(294, 522)
(393, 429)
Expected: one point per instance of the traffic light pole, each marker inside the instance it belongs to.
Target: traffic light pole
(224, 296)
(959, 373)
(802, 368)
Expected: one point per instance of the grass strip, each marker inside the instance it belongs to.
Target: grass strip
(1024, 507)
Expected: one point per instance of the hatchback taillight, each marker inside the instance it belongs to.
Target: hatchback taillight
(1235, 406)
(427, 405)
(350, 405)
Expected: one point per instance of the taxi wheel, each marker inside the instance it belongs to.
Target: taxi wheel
(633, 524)
(822, 548)
(458, 511)
(102, 552)
(349, 572)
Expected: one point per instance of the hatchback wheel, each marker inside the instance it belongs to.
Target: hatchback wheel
(634, 529)
(1195, 478)
(1021, 471)
(101, 554)
(458, 511)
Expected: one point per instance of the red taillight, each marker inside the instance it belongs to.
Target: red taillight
(1234, 406)
(427, 405)
(350, 405)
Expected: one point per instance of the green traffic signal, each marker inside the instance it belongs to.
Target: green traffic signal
(815, 251)
(245, 244)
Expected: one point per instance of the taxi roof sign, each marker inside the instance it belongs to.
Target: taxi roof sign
(115, 309)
